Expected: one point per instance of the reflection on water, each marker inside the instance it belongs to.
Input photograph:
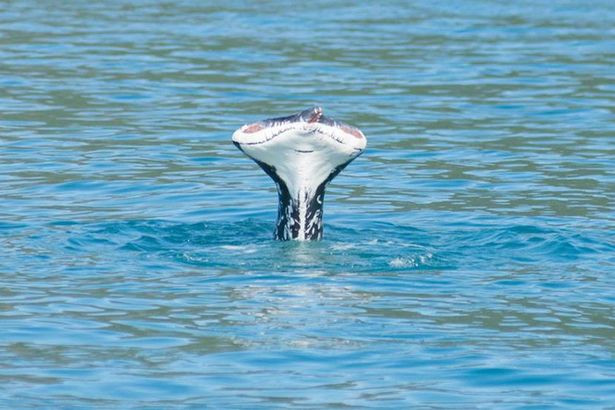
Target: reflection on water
(467, 253)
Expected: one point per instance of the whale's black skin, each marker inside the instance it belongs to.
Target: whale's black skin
(302, 153)
(288, 220)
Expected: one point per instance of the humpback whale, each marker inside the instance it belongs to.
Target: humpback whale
(302, 153)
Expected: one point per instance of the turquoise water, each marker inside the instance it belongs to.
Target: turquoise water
(469, 254)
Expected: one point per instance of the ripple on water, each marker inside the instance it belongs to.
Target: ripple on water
(203, 301)
(468, 254)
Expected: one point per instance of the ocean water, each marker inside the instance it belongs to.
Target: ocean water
(469, 253)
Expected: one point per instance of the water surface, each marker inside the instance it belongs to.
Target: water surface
(468, 256)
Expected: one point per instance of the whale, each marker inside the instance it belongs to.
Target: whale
(302, 153)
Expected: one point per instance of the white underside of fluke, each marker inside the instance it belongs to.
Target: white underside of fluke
(303, 156)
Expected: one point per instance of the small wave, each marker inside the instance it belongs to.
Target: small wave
(245, 249)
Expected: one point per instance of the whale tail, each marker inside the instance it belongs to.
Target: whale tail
(302, 153)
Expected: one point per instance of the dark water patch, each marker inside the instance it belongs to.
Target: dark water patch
(379, 247)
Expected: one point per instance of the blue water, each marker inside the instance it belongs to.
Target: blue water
(468, 256)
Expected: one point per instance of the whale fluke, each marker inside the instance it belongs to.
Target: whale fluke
(302, 153)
